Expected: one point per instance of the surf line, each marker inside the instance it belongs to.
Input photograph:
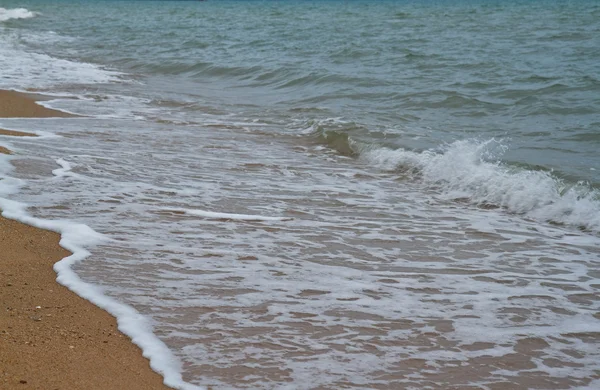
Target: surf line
(228, 216)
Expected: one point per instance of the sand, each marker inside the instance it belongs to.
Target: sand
(51, 338)
(14, 133)
(22, 105)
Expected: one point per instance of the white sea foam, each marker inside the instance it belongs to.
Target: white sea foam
(470, 169)
(112, 107)
(233, 216)
(15, 13)
(22, 68)
(364, 264)
(8, 185)
(78, 238)
(64, 169)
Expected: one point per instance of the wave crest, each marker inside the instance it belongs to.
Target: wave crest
(471, 169)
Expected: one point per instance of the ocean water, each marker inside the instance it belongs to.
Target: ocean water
(321, 194)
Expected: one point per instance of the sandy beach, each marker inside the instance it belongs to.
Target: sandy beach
(51, 338)
(273, 194)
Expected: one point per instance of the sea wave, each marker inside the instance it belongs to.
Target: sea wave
(23, 68)
(16, 13)
(473, 170)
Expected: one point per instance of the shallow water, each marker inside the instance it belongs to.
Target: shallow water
(409, 203)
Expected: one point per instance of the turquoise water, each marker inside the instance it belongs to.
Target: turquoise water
(417, 73)
(328, 193)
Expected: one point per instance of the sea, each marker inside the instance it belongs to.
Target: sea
(321, 194)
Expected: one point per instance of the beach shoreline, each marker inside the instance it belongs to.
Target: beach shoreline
(49, 336)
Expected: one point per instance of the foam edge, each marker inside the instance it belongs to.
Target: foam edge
(74, 237)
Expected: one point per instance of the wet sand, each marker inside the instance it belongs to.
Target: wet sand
(14, 133)
(51, 338)
(23, 105)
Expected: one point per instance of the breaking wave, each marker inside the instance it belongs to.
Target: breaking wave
(15, 13)
(472, 170)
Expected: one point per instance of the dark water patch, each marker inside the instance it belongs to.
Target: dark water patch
(274, 75)
(455, 101)
(232, 71)
(309, 110)
(534, 106)
(319, 79)
(350, 54)
(339, 141)
(568, 36)
(536, 78)
(593, 137)
(402, 15)
(475, 85)
(195, 43)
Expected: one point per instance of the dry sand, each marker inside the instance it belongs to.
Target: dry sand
(51, 338)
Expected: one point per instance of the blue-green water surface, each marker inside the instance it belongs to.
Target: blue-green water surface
(417, 74)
